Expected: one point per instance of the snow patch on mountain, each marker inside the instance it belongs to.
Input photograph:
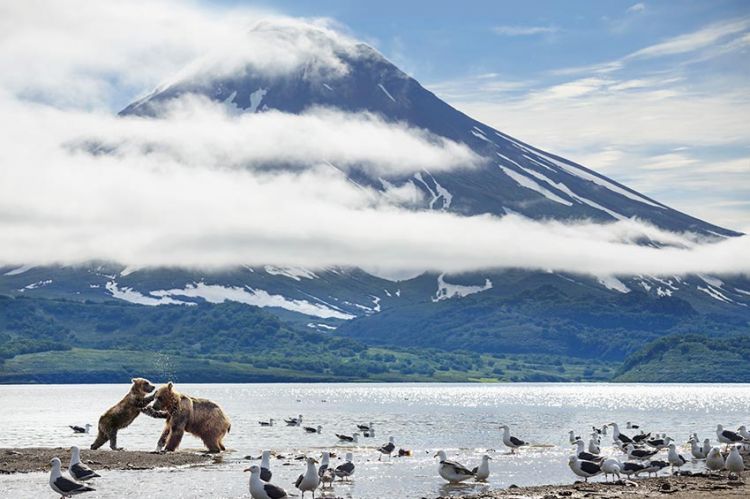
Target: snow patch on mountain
(528, 183)
(715, 293)
(38, 284)
(446, 290)
(711, 281)
(386, 92)
(613, 283)
(214, 293)
(296, 273)
(133, 296)
(19, 270)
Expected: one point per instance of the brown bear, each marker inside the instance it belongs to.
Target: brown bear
(123, 413)
(199, 417)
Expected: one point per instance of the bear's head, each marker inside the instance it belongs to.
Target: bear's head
(166, 398)
(141, 387)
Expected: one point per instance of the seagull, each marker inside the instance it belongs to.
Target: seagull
(641, 437)
(80, 429)
(260, 490)
(311, 429)
(482, 472)
(727, 437)
(611, 467)
(452, 471)
(369, 434)
(659, 443)
(345, 470)
(594, 446)
(706, 446)
(347, 438)
(310, 480)
(632, 468)
(572, 437)
(714, 460)
(639, 453)
(586, 456)
(742, 430)
(618, 437)
(631, 426)
(512, 442)
(294, 421)
(327, 478)
(266, 423)
(734, 463)
(78, 470)
(324, 463)
(654, 466)
(387, 448)
(265, 466)
(63, 486)
(364, 427)
(584, 469)
(674, 458)
(696, 450)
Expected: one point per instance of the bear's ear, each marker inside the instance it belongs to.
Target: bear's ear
(133, 380)
(169, 385)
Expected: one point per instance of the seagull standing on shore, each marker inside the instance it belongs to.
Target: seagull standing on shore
(696, 450)
(611, 467)
(594, 446)
(654, 466)
(63, 486)
(324, 463)
(727, 437)
(77, 469)
(584, 469)
(586, 456)
(346, 470)
(639, 454)
(660, 443)
(714, 460)
(482, 472)
(265, 466)
(619, 438)
(675, 459)
(706, 446)
(309, 480)
(632, 468)
(734, 463)
(572, 437)
(261, 490)
(452, 471)
(510, 441)
(387, 449)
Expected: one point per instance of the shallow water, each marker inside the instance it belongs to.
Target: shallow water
(461, 419)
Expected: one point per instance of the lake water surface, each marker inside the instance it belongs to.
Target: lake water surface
(461, 419)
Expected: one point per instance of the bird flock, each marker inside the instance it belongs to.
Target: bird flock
(631, 455)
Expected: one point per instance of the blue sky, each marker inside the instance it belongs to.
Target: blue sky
(653, 94)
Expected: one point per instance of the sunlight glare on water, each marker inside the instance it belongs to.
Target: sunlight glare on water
(461, 419)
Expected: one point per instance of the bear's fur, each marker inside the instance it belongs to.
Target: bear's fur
(183, 413)
(123, 413)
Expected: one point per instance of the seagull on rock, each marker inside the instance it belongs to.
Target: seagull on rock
(309, 480)
(261, 490)
(674, 458)
(77, 469)
(387, 449)
(452, 471)
(510, 441)
(482, 472)
(265, 466)
(63, 486)
(584, 469)
(80, 429)
(346, 470)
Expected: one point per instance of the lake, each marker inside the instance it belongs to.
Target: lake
(461, 419)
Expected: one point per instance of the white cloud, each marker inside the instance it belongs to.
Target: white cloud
(524, 30)
(638, 7)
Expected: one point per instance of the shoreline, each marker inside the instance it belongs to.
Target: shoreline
(696, 486)
(36, 459)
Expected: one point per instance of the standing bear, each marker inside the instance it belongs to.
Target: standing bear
(183, 413)
(123, 413)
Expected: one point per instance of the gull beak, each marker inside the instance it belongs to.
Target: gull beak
(246, 469)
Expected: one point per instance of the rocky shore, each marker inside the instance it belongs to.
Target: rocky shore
(30, 459)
